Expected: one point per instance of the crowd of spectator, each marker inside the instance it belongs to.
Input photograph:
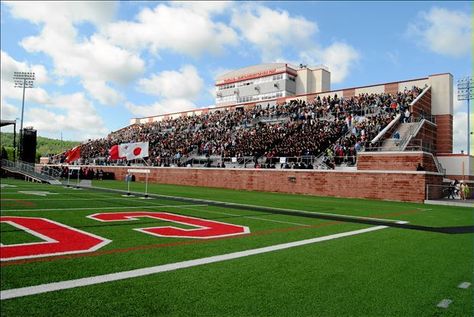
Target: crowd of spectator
(339, 127)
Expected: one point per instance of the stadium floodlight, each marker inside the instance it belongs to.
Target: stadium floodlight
(23, 80)
(466, 92)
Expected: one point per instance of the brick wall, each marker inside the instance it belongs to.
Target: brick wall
(348, 93)
(391, 88)
(444, 125)
(422, 105)
(395, 162)
(427, 136)
(383, 185)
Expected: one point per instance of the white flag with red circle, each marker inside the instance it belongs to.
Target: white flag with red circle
(133, 151)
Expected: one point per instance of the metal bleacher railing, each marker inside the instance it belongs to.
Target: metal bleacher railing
(37, 173)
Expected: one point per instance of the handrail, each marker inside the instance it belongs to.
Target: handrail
(391, 124)
(413, 133)
(384, 130)
(420, 95)
(29, 169)
(439, 166)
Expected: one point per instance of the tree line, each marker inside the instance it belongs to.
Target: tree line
(44, 146)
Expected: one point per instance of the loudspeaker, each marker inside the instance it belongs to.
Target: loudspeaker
(28, 146)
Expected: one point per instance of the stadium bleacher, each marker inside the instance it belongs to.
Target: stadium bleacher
(333, 127)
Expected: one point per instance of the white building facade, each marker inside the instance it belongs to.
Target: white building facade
(264, 82)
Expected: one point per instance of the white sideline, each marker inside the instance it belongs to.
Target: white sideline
(248, 217)
(108, 208)
(50, 287)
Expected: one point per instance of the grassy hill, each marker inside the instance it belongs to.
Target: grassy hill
(44, 146)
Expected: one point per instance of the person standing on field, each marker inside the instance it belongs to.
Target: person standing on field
(467, 191)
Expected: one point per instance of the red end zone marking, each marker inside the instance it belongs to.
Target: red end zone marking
(206, 229)
(178, 243)
(58, 239)
(166, 245)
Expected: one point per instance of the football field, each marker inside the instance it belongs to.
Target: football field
(213, 252)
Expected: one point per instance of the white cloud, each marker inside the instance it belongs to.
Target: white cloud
(163, 107)
(185, 28)
(443, 31)
(459, 132)
(102, 92)
(59, 113)
(59, 13)
(8, 111)
(73, 113)
(175, 90)
(338, 57)
(270, 30)
(205, 7)
(458, 105)
(10, 65)
(183, 84)
(94, 60)
(37, 95)
(460, 123)
(219, 71)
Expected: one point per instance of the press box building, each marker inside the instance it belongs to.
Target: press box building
(270, 82)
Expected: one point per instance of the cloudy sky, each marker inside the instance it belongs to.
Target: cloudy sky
(99, 64)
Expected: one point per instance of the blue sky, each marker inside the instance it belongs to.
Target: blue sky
(99, 64)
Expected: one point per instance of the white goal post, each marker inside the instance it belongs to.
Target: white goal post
(137, 171)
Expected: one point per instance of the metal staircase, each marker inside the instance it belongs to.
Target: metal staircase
(406, 131)
(40, 174)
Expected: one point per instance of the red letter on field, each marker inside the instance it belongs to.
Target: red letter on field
(58, 239)
(207, 229)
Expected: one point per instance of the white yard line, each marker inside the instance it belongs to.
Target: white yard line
(255, 218)
(44, 288)
(287, 222)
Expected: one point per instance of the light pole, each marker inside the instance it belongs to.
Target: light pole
(466, 92)
(23, 80)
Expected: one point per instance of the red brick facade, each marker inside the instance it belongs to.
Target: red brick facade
(395, 162)
(444, 125)
(348, 93)
(423, 105)
(426, 138)
(383, 185)
(391, 88)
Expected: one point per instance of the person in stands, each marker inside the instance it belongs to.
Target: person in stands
(291, 129)
(407, 116)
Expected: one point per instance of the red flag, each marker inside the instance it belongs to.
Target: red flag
(114, 153)
(73, 155)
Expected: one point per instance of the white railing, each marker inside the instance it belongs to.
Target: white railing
(29, 170)
(384, 130)
(420, 95)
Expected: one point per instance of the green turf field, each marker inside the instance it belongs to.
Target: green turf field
(286, 265)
